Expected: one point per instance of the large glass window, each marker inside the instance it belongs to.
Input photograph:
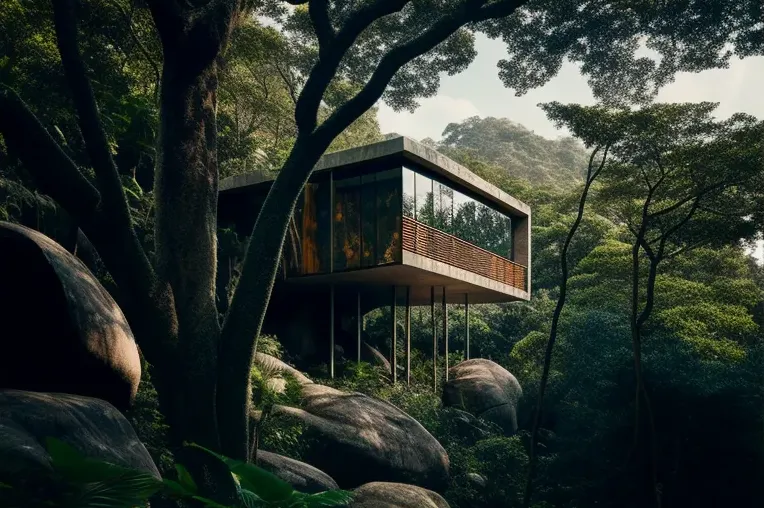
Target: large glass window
(368, 220)
(388, 216)
(444, 207)
(312, 222)
(409, 193)
(347, 223)
(424, 201)
(438, 205)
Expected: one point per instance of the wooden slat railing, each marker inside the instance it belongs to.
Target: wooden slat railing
(435, 244)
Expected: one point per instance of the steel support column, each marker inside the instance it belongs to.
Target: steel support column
(408, 335)
(394, 339)
(434, 341)
(359, 319)
(467, 324)
(331, 332)
(445, 329)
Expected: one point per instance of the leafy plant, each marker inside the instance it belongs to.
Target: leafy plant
(93, 483)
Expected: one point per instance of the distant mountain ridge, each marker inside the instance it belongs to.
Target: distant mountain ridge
(558, 164)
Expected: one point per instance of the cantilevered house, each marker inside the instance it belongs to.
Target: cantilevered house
(390, 223)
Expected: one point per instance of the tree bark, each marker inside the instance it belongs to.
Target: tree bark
(246, 312)
(186, 187)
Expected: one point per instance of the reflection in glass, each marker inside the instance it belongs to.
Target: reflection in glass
(347, 223)
(424, 201)
(389, 208)
(465, 219)
(368, 219)
(445, 209)
(409, 193)
(508, 247)
(366, 216)
(311, 219)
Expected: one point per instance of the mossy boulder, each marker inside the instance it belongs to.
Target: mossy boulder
(485, 389)
(358, 439)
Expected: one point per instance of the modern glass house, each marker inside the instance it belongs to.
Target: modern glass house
(399, 218)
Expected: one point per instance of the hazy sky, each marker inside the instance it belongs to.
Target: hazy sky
(478, 91)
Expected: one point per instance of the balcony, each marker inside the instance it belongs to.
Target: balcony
(434, 244)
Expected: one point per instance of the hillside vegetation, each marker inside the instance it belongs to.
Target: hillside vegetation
(553, 164)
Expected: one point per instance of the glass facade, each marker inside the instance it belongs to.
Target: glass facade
(313, 221)
(388, 216)
(361, 225)
(438, 205)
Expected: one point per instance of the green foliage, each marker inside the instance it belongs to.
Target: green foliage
(606, 38)
(496, 148)
(91, 483)
(149, 423)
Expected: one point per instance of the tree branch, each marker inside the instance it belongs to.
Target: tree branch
(114, 203)
(397, 58)
(306, 112)
(168, 18)
(110, 228)
(322, 25)
(247, 310)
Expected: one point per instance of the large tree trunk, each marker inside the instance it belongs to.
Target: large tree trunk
(186, 188)
(253, 292)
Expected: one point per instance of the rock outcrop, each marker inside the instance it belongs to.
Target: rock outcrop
(93, 427)
(485, 389)
(301, 476)
(375, 357)
(60, 330)
(358, 439)
(395, 495)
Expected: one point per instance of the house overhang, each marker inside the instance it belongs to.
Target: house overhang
(420, 274)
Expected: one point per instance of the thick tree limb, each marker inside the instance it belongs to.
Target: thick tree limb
(498, 9)
(393, 61)
(167, 15)
(306, 111)
(150, 307)
(209, 34)
(114, 201)
(322, 25)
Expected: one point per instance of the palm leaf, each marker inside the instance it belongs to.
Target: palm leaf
(329, 498)
(264, 484)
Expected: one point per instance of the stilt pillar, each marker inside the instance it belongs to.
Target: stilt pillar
(445, 329)
(331, 332)
(408, 335)
(467, 325)
(394, 338)
(359, 319)
(434, 341)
